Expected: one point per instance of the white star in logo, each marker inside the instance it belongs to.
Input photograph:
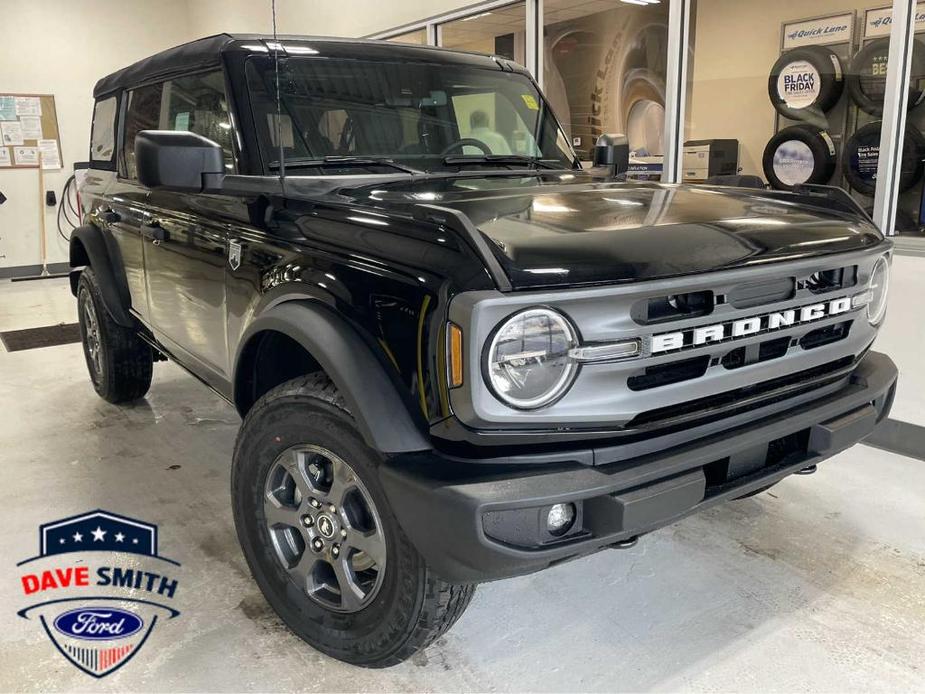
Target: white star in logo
(61, 541)
(98, 534)
(78, 537)
(119, 537)
(135, 541)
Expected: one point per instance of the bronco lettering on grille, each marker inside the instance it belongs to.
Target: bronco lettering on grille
(720, 332)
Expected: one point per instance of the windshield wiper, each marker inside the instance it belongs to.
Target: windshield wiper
(333, 160)
(532, 162)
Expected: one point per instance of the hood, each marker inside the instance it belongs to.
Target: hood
(550, 232)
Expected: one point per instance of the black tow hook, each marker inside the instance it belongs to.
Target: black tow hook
(808, 470)
(625, 544)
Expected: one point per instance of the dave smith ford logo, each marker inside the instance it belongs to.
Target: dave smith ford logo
(97, 588)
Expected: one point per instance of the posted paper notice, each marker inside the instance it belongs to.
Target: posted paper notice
(31, 127)
(5, 157)
(7, 108)
(11, 131)
(28, 106)
(51, 158)
(26, 156)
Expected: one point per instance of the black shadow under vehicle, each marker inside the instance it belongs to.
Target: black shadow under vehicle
(458, 356)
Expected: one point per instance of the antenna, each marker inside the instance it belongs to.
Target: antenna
(279, 106)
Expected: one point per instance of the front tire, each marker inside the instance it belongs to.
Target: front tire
(320, 538)
(120, 363)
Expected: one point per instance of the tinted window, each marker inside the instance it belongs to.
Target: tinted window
(195, 103)
(103, 134)
(408, 112)
(143, 113)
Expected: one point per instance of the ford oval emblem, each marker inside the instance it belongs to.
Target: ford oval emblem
(98, 623)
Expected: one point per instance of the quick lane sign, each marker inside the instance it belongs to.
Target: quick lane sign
(877, 22)
(819, 32)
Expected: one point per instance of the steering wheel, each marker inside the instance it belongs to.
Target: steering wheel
(463, 142)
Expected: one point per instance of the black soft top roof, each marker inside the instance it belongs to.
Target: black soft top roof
(207, 52)
(195, 55)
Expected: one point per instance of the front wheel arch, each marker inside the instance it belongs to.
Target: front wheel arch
(331, 345)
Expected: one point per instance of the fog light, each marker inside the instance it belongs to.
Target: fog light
(560, 518)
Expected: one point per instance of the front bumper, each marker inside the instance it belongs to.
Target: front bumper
(472, 524)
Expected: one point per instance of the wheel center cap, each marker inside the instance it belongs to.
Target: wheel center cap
(325, 525)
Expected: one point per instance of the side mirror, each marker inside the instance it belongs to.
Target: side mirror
(178, 160)
(612, 152)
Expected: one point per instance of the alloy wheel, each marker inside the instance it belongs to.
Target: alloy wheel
(92, 336)
(325, 528)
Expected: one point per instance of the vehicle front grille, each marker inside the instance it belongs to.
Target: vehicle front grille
(825, 336)
(711, 347)
(745, 399)
(666, 374)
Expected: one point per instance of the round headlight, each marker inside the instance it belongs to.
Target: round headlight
(879, 288)
(527, 363)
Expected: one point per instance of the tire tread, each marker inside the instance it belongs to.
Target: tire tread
(129, 358)
(442, 603)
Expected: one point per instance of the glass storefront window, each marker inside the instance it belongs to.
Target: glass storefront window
(419, 36)
(604, 67)
(910, 207)
(777, 94)
(500, 31)
(797, 98)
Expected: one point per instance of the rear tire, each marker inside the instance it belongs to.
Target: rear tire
(120, 363)
(300, 449)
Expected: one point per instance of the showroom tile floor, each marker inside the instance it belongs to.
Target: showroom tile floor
(818, 584)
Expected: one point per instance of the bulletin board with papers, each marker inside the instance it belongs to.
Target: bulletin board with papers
(29, 132)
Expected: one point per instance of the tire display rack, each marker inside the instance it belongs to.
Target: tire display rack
(827, 125)
(806, 88)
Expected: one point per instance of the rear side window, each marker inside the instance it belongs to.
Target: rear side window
(103, 133)
(195, 103)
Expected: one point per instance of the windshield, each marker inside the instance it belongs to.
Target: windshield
(355, 116)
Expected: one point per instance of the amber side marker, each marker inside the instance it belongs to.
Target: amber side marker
(455, 344)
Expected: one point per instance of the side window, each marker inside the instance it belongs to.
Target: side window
(103, 133)
(197, 103)
(142, 113)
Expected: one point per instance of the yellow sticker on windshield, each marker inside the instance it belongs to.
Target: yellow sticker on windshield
(530, 101)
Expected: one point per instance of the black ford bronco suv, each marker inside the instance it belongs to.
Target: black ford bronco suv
(458, 356)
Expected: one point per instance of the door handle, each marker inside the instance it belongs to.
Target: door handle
(155, 232)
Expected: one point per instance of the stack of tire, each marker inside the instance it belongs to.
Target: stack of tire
(866, 84)
(803, 85)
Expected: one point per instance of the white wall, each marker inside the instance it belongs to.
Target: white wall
(348, 18)
(62, 47)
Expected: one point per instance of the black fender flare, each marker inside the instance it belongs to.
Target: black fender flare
(383, 417)
(90, 246)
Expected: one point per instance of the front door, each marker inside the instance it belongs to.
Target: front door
(185, 236)
(185, 252)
